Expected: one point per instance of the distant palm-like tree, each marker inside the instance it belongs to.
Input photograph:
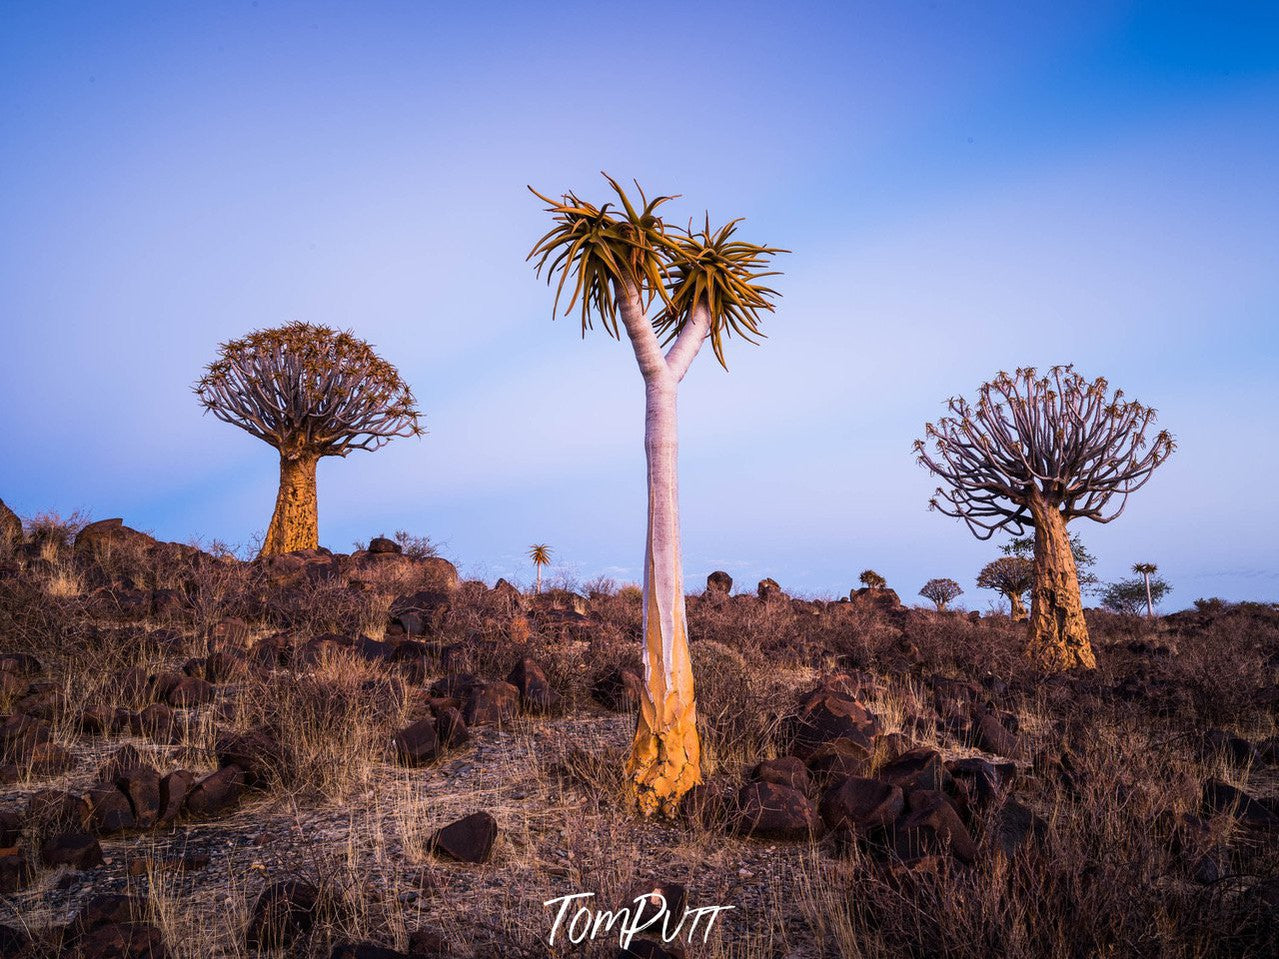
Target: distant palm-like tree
(1145, 571)
(540, 554)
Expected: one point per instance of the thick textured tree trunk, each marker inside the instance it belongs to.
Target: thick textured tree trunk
(1017, 609)
(665, 759)
(1058, 632)
(295, 523)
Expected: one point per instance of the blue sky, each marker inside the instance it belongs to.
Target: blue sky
(966, 188)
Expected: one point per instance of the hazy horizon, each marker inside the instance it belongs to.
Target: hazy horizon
(964, 191)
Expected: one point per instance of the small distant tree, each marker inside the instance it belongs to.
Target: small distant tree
(872, 580)
(1023, 547)
(1131, 596)
(1145, 571)
(1034, 453)
(310, 392)
(540, 554)
(1012, 576)
(940, 592)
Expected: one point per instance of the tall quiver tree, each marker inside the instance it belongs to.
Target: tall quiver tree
(310, 392)
(1035, 452)
(676, 288)
(1145, 571)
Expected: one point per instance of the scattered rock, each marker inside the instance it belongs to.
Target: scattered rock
(283, 911)
(619, 690)
(990, 735)
(141, 785)
(536, 693)
(718, 583)
(77, 849)
(1224, 799)
(216, 792)
(470, 839)
(450, 727)
(418, 743)
(174, 789)
(931, 826)
(15, 872)
(827, 714)
(785, 771)
(490, 704)
(111, 810)
(769, 590)
(920, 768)
(769, 811)
(861, 805)
(1014, 826)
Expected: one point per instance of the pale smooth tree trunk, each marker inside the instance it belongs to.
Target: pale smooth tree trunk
(1058, 632)
(538, 587)
(295, 522)
(665, 758)
(1150, 603)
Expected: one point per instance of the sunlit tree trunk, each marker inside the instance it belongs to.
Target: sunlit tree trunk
(665, 758)
(538, 588)
(1150, 602)
(295, 522)
(1058, 632)
(1017, 609)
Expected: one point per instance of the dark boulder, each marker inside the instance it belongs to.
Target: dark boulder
(418, 743)
(283, 911)
(718, 583)
(491, 704)
(111, 810)
(536, 693)
(920, 768)
(785, 771)
(861, 805)
(931, 826)
(174, 789)
(216, 792)
(77, 849)
(469, 839)
(770, 811)
(619, 690)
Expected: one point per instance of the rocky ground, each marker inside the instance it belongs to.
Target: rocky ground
(359, 755)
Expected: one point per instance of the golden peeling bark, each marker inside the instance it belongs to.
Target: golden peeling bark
(1018, 608)
(295, 522)
(665, 757)
(1058, 632)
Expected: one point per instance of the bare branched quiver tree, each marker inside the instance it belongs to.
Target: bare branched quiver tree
(1036, 452)
(310, 392)
(1012, 576)
(674, 289)
(940, 592)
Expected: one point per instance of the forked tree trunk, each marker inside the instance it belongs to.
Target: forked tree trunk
(1017, 609)
(1058, 632)
(295, 522)
(665, 758)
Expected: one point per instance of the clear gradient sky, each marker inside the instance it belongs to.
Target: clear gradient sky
(965, 186)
